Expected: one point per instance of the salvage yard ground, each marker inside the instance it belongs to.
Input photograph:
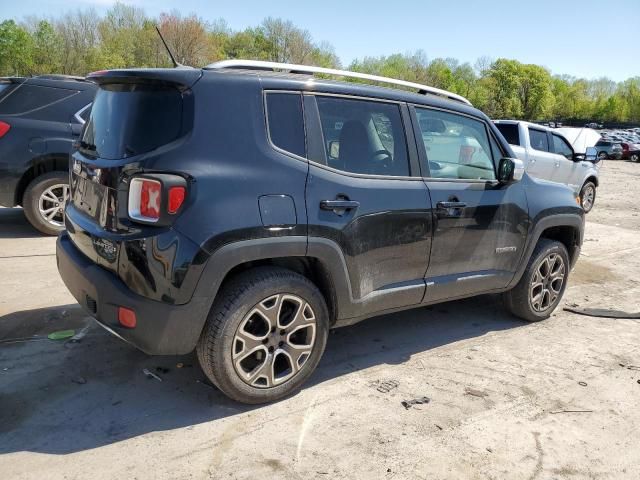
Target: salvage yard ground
(505, 399)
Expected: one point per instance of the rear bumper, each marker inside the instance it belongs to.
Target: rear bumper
(162, 328)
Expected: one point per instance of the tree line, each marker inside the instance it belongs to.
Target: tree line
(79, 42)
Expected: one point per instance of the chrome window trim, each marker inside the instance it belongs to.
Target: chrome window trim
(78, 114)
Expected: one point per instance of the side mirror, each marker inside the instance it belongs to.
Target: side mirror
(510, 170)
(591, 154)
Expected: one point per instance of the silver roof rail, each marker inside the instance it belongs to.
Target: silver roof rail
(292, 68)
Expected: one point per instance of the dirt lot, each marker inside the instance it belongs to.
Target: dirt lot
(499, 389)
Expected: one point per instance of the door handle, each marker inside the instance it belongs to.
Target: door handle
(447, 205)
(339, 204)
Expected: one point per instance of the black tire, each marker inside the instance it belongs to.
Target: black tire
(519, 300)
(238, 298)
(635, 157)
(603, 155)
(587, 202)
(31, 199)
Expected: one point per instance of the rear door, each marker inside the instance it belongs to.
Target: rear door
(479, 225)
(365, 194)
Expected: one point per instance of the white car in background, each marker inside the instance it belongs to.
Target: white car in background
(549, 155)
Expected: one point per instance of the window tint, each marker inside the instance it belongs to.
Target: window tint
(456, 146)
(603, 143)
(363, 137)
(539, 140)
(560, 146)
(130, 119)
(286, 124)
(26, 98)
(510, 132)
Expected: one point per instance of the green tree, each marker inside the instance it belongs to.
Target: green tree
(16, 49)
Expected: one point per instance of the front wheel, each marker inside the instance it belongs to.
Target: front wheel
(264, 336)
(542, 285)
(43, 202)
(603, 155)
(635, 157)
(588, 196)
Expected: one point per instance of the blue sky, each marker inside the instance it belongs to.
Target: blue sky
(583, 38)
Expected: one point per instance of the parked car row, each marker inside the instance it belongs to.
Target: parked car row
(627, 140)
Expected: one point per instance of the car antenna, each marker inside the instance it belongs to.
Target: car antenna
(173, 59)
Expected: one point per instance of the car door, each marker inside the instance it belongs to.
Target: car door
(542, 161)
(568, 171)
(480, 225)
(364, 193)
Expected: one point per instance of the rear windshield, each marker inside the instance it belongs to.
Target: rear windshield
(130, 119)
(510, 132)
(26, 98)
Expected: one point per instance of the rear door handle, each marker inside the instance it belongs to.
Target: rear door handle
(447, 205)
(339, 204)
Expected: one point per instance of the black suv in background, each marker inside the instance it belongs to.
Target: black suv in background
(40, 118)
(246, 208)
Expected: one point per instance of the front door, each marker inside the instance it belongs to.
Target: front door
(480, 225)
(363, 195)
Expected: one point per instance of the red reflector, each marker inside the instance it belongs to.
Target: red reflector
(4, 128)
(150, 199)
(127, 317)
(176, 197)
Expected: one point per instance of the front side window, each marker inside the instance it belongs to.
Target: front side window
(561, 147)
(457, 146)
(363, 137)
(539, 140)
(286, 123)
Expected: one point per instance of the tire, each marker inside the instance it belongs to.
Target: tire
(261, 376)
(520, 301)
(603, 155)
(42, 191)
(635, 157)
(588, 196)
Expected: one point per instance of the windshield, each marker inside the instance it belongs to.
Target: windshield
(130, 119)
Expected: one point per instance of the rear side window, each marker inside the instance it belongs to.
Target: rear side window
(130, 119)
(363, 137)
(510, 132)
(457, 147)
(26, 98)
(561, 147)
(539, 140)
(285, 122)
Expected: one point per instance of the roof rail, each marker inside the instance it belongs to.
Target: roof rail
(292, 68)
(56, 76)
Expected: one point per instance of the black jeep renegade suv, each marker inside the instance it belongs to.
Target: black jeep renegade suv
(40, 118)
(244, 212)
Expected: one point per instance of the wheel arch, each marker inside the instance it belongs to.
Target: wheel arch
(319, 260)
(591, 178)
(40, 165)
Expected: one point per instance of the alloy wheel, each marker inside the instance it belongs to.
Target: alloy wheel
(51, 204)
(274, 340)
(546, 283)
(588, 196)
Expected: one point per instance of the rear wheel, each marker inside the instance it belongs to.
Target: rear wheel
(635, 157)
(264, 336)
(588, 196)
(602, 155)
(542, 285)
(43, 202)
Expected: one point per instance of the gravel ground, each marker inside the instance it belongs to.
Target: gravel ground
(553, 400)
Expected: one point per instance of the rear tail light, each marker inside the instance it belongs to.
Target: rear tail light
(156, 198)
(145, 197)
(4, 128)
(176, 197)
